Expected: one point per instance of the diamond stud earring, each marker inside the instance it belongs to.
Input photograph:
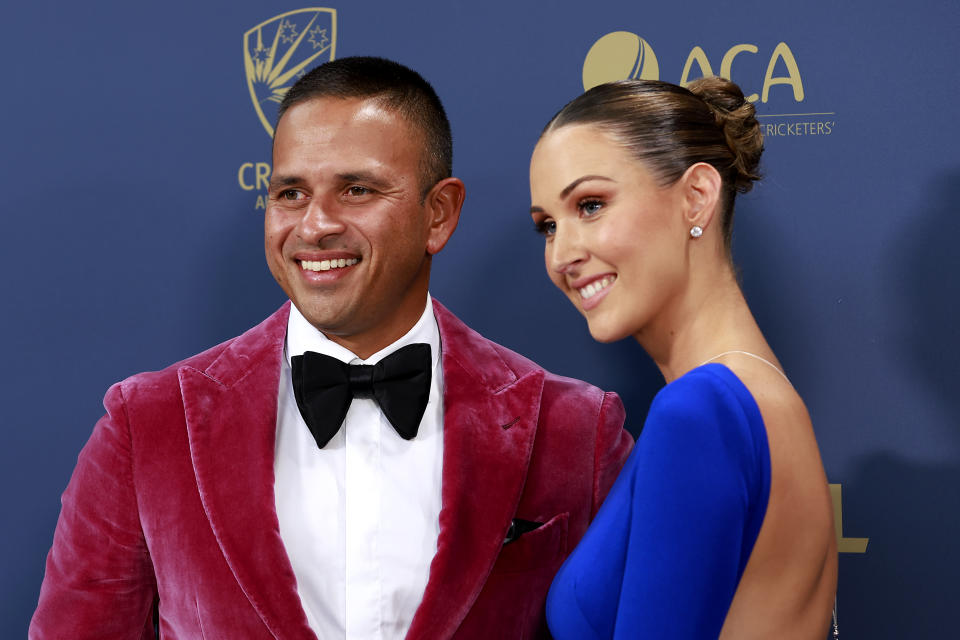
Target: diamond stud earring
(696, 231)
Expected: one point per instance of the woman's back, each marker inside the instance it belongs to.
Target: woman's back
(699, 534)
(788, 586)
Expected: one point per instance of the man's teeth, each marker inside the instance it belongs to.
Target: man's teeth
(594, 288)
(326, 265)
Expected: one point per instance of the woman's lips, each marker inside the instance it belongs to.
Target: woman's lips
(592, 290)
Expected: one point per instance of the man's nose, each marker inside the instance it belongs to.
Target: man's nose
(319, 221)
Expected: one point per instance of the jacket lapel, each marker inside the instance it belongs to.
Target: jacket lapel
(231, 410)
(490, 420)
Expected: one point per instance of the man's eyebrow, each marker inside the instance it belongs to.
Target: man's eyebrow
(283, 181)
(364, 177)
(277, 181)
(573, 185)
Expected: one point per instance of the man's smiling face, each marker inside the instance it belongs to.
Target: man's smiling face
(346, 231)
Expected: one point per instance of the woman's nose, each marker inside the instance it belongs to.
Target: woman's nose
(566, 251)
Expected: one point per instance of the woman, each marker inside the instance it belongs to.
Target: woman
(720, 524)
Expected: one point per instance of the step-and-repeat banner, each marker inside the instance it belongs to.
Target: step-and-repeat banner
(136, 154)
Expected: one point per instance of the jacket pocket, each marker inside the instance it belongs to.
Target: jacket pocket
(545, 546)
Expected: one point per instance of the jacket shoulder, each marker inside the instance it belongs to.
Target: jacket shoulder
(478, 351)
(243, 348)
(555, 386)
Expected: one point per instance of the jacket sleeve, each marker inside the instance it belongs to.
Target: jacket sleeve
(99, 580)
(613, 447)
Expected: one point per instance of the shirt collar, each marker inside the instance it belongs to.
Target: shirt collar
(303, 336)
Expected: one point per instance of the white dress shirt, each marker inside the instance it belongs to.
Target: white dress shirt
(360, 517)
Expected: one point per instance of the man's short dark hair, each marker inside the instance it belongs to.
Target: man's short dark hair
(399, 89)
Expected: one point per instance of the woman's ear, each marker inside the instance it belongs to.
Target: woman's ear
(702, 185)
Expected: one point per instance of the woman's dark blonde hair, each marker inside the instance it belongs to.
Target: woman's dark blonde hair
(670, 128)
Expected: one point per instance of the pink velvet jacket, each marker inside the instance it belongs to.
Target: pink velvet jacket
(172, 497)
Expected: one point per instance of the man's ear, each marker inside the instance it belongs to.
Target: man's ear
(443, 204)
(702, 186)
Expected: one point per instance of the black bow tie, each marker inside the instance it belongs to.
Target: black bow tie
(400, 383)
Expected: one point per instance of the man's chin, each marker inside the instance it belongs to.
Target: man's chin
(331, 326)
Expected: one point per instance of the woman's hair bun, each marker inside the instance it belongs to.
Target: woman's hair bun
(737, 117)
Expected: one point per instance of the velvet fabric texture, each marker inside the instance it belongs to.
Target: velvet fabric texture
(172, 498)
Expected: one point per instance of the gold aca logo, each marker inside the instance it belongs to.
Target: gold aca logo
(620, 55)
(623, 55)
(279, 51)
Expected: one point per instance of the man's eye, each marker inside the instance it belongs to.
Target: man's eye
(291, 194)
(357, 191)
(546, 227)
(590, 207)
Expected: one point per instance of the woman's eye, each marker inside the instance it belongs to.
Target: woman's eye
(546, 227)
(590, 207)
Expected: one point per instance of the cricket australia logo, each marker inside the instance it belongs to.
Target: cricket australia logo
(279, 51)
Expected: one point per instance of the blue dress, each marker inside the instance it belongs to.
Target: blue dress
(665, 553)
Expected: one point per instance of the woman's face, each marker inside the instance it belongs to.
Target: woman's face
(615, 241)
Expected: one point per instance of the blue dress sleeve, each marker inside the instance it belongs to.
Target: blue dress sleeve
(665, 554)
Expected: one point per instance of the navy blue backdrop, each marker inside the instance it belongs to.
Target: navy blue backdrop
(133, 232)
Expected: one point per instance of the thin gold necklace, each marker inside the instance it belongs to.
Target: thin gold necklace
(747, 353)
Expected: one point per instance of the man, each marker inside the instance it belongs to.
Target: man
(254, 498)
